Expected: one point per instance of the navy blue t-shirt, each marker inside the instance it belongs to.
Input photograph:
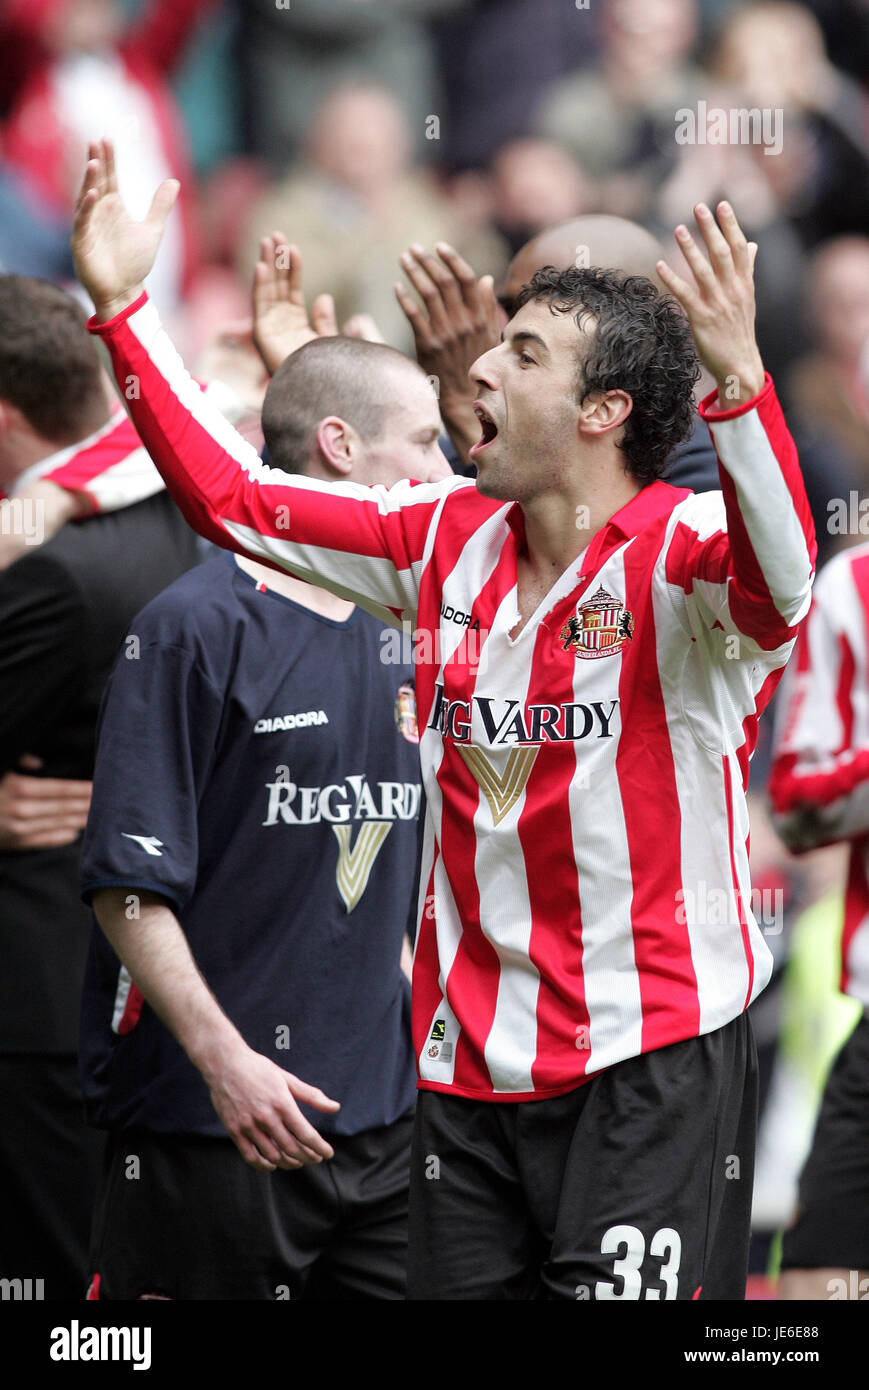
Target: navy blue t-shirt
(257, 765)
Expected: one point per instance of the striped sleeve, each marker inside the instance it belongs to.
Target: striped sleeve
(366, 544)
(819, 781)
(111, 468)
(745, 557)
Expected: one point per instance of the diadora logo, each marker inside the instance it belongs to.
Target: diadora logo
(504, 722)
(282, 722)
(455, 615)
(149, 843)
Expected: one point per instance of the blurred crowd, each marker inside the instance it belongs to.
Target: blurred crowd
(359, 128)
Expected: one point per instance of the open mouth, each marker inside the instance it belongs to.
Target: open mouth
(489, 430)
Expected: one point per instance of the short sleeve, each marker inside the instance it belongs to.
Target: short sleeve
(155, 748)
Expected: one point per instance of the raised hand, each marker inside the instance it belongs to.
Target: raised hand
(280, 318)
(460, 318)
(458, 323)
(720, 302)
(112, 252)
(364, 327)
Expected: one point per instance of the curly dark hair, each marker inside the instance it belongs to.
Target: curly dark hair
(643, 345)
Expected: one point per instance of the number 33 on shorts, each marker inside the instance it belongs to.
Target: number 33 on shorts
(628, 1244)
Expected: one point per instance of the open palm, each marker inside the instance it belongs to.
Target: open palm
(112, 252)
(280, 318)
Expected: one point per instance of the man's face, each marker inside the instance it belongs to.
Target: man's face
(841, 297)
(408, 445)
(527, 405)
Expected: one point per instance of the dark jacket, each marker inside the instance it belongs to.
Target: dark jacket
(64, 612)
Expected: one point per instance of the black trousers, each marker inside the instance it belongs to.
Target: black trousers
(49, 1167)
(184, 1217)
(636, 1185)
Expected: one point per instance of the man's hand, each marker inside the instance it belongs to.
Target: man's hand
(34, 515)
(460, 320)
(41, 812)
(256, 1100)
(458, 323)
(112, 252)
(280, 319)
(720, 303)
(254, 1097)
(363, 327)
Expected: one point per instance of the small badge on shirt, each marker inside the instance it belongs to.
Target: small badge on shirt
(602, 626)
(405, 712)
(437, 1046)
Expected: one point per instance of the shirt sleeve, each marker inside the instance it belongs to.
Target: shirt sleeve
(111, 468)
(43, 629)
(819, 780)
(155, 746)
(366, 544)
(744, 557)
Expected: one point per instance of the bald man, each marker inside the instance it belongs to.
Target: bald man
(463, 318)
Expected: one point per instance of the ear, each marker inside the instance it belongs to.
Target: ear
(604, 411)
(338, 444)
(5, 420)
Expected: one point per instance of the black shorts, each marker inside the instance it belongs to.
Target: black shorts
(636, 1185)
(185, 1217)
(831, 1228)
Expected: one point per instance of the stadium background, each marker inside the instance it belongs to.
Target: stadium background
(360, 126)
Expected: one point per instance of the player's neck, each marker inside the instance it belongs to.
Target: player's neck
(306, 595)
(559, 526)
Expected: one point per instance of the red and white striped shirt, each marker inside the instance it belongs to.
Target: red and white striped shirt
(585, 781)
(111, 466)
(819, 785)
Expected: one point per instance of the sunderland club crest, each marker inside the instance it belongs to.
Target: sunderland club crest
(601, 627)
(405, 712)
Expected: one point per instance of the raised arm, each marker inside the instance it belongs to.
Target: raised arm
(745, 566)
(365, 544)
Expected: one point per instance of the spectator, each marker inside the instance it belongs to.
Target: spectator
(72, 72)
(294, 54)
(773, 54)
(618, 119)
(355, 204)
(534, 184)
(827, 387)
(497, 59)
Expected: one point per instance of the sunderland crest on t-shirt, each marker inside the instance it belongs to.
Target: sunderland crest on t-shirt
(601, 627)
